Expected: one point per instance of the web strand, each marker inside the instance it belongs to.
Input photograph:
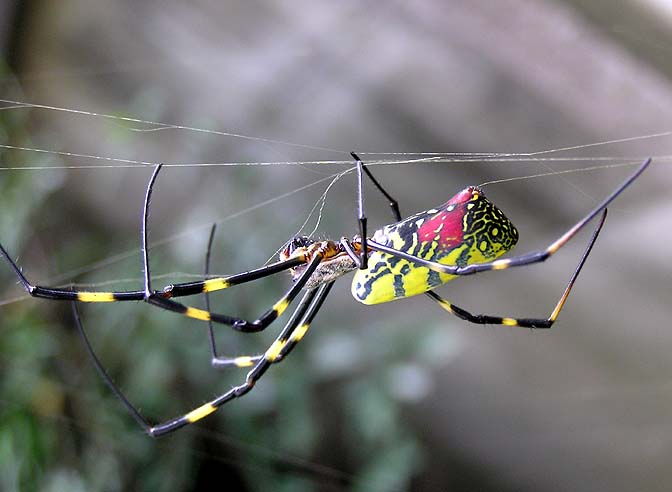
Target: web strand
(540, 157)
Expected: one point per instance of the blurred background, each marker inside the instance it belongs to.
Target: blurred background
(393, 397)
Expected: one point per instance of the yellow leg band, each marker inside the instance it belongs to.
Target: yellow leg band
(500, 264)
(300, 332)
(96, 297)
(215, 284)
(245, 361)
(274, 350)
(200, 412)
(280, 306)
(197, 314)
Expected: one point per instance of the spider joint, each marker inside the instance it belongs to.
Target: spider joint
(167, 291)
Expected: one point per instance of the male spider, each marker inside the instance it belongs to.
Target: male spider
(412, 256)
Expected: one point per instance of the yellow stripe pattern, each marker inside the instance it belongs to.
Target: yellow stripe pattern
(280, 306)
(197, 314)
(500, 264)
(485, 234)
(300, 332)
(96, 297)
(244, 361)
(446, 305)
(215, 284)
(274, 350)
(200, 412)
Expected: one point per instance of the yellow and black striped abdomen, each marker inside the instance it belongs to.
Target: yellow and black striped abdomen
(467, 229)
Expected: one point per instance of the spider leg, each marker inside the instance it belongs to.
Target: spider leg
(215, 359)
(249, 360)
(104, 375)
(394, 204)
(162, 298)
(236, 323)
(172, 290)
(240, 324)
(292, 333)
(363, 259)
(145, 233)
(519, 260)
(237, 361)
(290, 336)
(485, 319)
(361, 169)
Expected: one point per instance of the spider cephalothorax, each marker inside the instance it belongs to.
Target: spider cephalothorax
(336, 263)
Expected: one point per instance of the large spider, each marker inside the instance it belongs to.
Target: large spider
(463, 236)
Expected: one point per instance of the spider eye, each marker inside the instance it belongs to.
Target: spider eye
(296, 243)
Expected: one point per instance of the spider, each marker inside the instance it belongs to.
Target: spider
(412, 256)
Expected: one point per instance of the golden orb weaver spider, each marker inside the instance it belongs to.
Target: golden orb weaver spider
(412, 256)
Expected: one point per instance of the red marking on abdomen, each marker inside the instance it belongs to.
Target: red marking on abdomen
(446, 227)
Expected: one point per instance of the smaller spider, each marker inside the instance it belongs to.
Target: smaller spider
(412, 256)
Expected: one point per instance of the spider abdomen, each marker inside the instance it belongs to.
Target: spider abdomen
(465, 230)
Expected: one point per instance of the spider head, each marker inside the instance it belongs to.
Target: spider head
(294, 244)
